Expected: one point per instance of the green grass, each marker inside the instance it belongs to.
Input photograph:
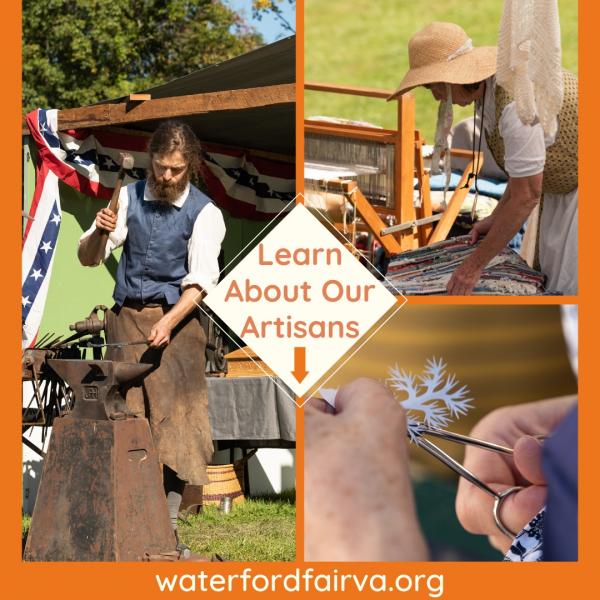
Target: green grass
(259, 529)
(363, 43)
(25, 523)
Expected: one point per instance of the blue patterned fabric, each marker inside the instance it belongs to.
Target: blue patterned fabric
(528, 545)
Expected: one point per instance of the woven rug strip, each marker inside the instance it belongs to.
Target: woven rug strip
(427, 270)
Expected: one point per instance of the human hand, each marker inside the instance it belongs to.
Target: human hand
(106, 220)
(160, 335)
(480, 229)
(358, 496)
(464, 279)
(512, 426)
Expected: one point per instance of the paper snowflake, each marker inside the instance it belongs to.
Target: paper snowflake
(434, 398)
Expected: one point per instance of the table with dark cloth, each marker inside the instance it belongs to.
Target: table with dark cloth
(251, 412)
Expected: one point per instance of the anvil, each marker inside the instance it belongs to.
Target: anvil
(101, 496)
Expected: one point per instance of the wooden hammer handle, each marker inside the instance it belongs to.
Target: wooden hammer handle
(126, 163)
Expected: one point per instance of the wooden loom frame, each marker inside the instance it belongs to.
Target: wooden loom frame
(417, 225)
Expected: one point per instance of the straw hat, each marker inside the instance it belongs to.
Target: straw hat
(442, 52)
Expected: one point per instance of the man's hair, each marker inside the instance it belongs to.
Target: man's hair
(172, 136)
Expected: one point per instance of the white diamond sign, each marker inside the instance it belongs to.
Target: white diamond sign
(300, 300)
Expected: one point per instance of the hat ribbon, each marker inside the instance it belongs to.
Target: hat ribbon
(466, 47)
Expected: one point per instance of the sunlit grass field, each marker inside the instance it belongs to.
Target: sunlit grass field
(364, 43)
(259, 529)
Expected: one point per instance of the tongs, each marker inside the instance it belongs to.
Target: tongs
(499, 497)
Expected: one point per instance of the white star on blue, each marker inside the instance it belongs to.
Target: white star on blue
(109, 163)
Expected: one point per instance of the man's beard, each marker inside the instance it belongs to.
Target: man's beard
(167, 191)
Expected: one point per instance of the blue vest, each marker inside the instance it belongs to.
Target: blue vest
(155, 253)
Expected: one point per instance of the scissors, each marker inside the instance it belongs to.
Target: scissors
(431, 448)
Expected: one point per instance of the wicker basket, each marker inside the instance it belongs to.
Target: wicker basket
(225, 481)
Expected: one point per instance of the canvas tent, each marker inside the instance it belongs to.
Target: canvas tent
(246, 102)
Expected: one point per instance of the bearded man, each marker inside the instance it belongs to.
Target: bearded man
(171, 235)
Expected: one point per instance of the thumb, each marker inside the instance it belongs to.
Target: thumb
(528, 459)
(474, 236)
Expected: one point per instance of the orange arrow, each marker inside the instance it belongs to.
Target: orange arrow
(300, 371)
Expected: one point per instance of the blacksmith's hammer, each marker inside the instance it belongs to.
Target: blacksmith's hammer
(126, 163)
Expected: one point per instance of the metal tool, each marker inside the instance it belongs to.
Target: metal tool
(92, 324)
(465, 440)
(126, 164)
(461, 470)
(96, 385)
(46, 395)
(91, 343)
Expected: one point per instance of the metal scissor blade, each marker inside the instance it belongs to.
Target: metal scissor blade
(453, 464)
(465, 440)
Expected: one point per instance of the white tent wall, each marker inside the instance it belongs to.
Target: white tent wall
(270, 470)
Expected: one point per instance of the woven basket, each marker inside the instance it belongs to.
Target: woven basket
(225, 481)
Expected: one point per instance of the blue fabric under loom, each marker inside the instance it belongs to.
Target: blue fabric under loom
(487, 186)
(494, 188)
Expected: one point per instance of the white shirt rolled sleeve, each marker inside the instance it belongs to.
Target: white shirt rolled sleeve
(204, 247)
(524, 145)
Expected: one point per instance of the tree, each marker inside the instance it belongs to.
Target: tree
(78, 52)
(262, 7)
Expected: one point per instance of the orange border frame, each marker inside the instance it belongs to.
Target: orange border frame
(462, 580)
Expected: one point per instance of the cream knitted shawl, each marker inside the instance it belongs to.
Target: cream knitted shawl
(529, 60)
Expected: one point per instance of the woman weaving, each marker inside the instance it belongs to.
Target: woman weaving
(540, 158)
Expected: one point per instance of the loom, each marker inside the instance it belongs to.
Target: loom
(374, 170)
(369, 162)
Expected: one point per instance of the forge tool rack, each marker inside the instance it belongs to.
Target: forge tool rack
(46, 395)
(399, 157)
